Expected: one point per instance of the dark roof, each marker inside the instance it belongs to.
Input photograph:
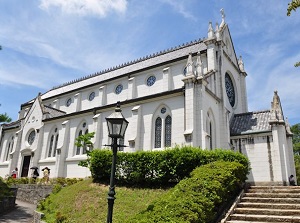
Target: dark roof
(162, 52)
(12, 125)
(52, 112)
(250, 122)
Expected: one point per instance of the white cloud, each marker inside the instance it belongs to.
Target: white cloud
(98, 8)
(180, 7)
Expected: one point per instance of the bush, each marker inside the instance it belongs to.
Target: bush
(5, 190)
(197, 199)
(159, 168)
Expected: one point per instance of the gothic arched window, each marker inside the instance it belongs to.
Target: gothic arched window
(9, 148)
(163, 128)
(53, 143)
(158, 127)
(168, 131)
(82, 131)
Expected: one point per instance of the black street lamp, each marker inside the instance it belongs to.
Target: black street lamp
(117, 125)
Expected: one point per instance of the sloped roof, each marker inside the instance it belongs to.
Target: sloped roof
(52, 112)
(250, 122)
(12, 125)
(132, 66)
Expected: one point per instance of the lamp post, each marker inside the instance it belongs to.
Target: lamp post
(117, 125)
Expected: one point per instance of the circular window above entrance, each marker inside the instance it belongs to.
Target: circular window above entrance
(31, 137)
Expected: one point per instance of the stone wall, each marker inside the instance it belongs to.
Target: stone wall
(33, 193)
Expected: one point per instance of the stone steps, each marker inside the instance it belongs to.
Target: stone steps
(260, 204)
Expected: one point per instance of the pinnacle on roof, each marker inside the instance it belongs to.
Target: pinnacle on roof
(211, 33)
(276, 110)
(223, 18)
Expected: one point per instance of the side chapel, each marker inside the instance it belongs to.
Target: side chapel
(193, 94)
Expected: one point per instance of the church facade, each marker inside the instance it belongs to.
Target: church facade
(193, 94)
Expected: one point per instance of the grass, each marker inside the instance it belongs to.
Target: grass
(86, 201)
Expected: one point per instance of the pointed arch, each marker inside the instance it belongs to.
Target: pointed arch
(82, 129)
(162, 125)
(210, 130)
(9, 147)
(53, 141)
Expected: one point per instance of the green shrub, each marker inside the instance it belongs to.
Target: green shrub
(5, 190)
(157, 168)
(197, 199)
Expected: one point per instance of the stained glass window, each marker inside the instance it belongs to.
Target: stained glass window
(168, 131)
(158, 126)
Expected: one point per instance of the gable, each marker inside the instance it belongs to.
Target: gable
(228, 45)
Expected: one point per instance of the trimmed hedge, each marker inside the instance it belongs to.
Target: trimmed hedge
(199, 198)
(158, 167)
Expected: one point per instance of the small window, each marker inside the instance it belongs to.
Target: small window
(151, 80)
(163, 110)
(91, 96)
(119, 89)
(69, 101)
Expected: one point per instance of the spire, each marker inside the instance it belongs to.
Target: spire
(276, 110)
(211, 33)
(223, 18)
(241, 64)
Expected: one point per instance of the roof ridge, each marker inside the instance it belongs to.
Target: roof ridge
(253, 112)
(150, 56)
(54, 109)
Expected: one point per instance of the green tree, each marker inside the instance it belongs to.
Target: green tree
(85, 142)
(292, 6)
(4, 118)
(296, 138)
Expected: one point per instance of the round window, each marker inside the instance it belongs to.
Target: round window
(91, 96)
(151, 80)
(119, 89)
(163, 110)
(69, 101)
(31, 137)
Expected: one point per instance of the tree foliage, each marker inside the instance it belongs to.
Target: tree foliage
(292, 6)
(296, 138)
(4, 118)
(85, 142)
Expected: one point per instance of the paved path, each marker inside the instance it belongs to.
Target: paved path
(23, 213)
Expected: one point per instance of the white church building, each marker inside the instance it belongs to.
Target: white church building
(193, 94)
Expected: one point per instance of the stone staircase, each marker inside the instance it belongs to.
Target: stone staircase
(266, 204)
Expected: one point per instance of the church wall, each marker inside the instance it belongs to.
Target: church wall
(212, 106)
(261, 151)
(85, 102)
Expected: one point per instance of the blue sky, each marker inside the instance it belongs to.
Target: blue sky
(49, 42)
